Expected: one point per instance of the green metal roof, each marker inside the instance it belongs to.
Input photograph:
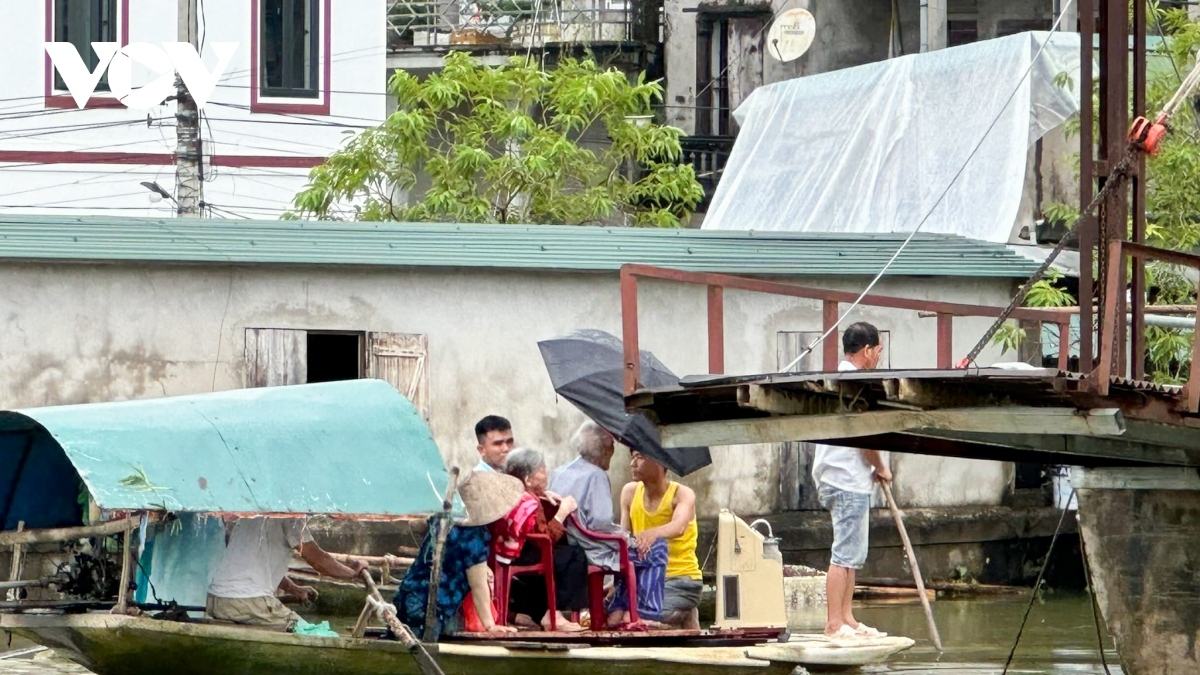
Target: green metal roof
(543, 247)
(356, 448)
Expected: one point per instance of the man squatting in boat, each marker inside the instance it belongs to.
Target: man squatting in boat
(255, 564)
(509, 497)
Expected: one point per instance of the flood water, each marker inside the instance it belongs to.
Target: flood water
(977, 634)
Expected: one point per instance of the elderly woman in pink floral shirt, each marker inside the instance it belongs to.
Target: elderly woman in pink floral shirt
(540, 512)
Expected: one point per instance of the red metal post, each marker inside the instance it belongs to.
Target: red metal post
(1114, 129)
(629, 330)
(1064, 346)
(1137, 287)
(1192, 390)
(716, 330)
(829, 319)
(789, 290)
(1114, 320)
(1087, 185)
(945, 341)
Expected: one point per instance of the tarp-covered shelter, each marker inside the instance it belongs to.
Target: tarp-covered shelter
(872, 148)
(354, 448)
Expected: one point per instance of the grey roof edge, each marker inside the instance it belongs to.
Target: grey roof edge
(544, 247)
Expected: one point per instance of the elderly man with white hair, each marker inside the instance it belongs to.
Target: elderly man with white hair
(586, 479)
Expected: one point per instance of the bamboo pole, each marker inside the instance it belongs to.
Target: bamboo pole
(17, 562)
(123, 592)
(58, 534)
(435, 574)
(912, 562)
(377, 560)
(387, 613)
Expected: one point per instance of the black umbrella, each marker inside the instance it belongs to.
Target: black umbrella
(587, 368)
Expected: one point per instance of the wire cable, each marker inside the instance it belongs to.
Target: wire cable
(907, 240)
(1037, 585)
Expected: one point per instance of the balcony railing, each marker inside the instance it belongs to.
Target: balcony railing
(519, 23)
(707, 155)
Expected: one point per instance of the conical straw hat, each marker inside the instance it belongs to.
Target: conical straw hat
(488, 496)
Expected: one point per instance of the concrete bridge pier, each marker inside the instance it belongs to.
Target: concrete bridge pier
(1141, 534)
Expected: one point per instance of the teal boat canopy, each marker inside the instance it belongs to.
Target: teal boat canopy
(355, 448)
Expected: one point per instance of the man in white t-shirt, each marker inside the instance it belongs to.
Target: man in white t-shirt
(256, 564)
(845, 479)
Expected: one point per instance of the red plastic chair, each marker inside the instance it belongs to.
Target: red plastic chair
(596, 576)
(504, 574)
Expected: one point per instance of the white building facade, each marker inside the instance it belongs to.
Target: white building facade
(303, 74)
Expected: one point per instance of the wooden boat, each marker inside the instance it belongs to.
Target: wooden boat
(156, 472)
(111, 644)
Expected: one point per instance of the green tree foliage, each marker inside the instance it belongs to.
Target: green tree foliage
(502, 145)
(1172, 197)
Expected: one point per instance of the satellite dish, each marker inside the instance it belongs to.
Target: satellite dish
(791, 35)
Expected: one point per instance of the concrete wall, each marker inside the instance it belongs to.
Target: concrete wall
(848, 34)
(80, 333)
(51, 184)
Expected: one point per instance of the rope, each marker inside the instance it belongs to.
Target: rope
(1038, 584)
(1119, 173)
(1087, 568)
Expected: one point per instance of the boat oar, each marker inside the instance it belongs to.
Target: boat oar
(912, 562)
(387, 613)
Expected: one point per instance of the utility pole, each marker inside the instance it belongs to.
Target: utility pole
(189, 176)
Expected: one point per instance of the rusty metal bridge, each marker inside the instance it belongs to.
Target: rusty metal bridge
(1098, 419)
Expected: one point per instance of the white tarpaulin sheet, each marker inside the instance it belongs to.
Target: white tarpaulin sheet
(870, 149)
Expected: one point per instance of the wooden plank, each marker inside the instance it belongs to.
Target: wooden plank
(276, 357)
(785, 402)
(402, 360)
(1056, 421)
(745, 73)
(1120, 448)
(58, 534)
(1135, 478)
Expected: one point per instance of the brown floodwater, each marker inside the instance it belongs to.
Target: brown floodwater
(977, 634)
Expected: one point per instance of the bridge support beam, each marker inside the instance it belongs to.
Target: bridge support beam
(1141, 535)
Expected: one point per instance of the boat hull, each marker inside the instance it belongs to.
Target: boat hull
(122, 645)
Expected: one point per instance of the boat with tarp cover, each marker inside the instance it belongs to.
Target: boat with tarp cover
(114, 513)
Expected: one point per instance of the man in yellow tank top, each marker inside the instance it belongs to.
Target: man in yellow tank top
(653, 507)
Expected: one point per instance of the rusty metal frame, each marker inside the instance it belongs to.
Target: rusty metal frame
(1113, 325)
(716, 284)
(1122, 215)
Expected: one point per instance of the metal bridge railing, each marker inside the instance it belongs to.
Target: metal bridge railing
(522, 23)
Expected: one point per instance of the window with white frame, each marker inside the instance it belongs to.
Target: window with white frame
(289, 54)
(82, 22)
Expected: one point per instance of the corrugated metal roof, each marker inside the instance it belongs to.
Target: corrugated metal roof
(355, 447)
(548, 247)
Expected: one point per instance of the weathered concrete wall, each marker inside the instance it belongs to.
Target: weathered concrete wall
(993, 545)
(848, 34)
(1144, 549)
(80, 333)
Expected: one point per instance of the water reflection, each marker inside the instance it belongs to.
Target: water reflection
(1060, 636)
